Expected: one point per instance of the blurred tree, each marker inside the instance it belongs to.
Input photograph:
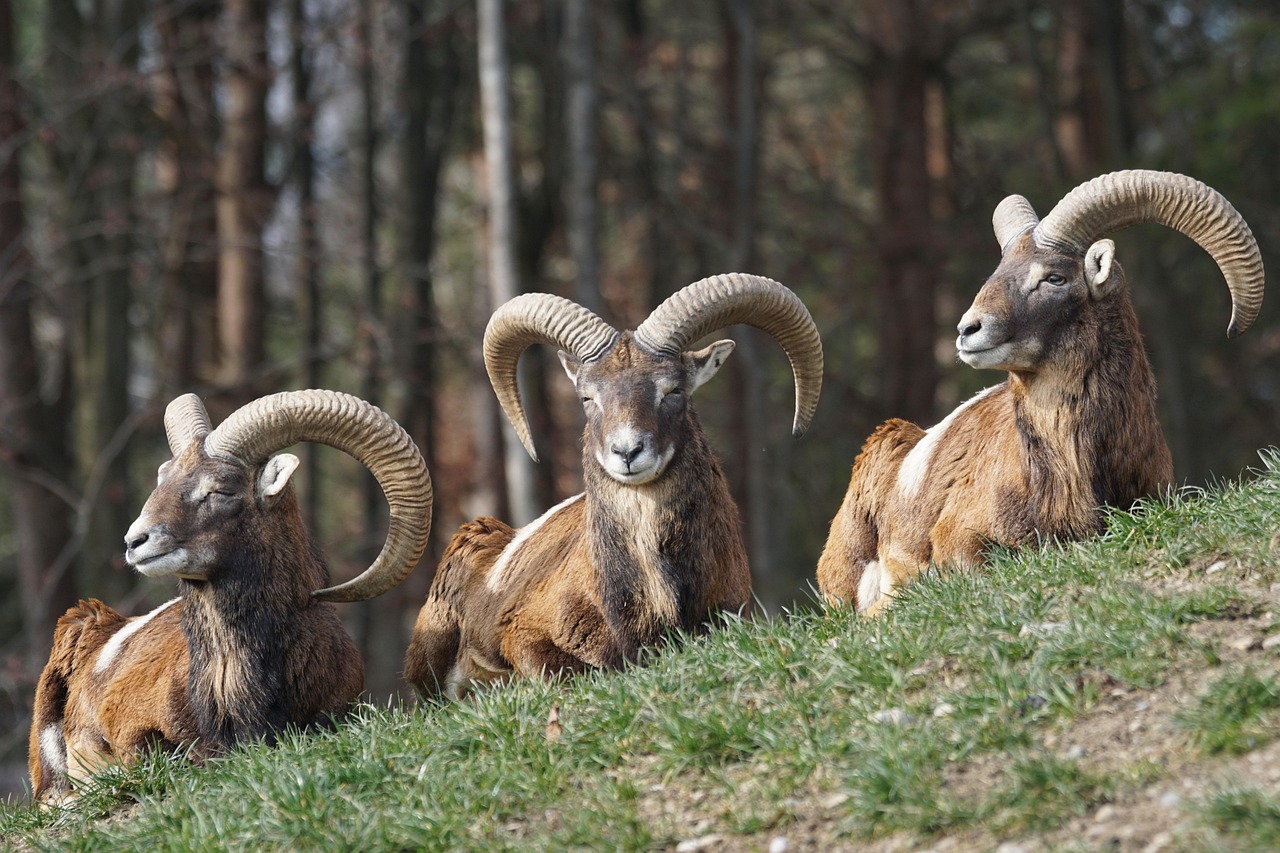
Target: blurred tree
(503, 273)
(307, 266)
(244, 203)
(35, 441)
(185, 165)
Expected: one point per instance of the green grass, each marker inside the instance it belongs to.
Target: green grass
(1246, 815)
(932, 720)
(1238, 713)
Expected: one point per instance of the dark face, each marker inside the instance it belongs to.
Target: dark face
(636, 404)
(197, 510)
(1023, 309)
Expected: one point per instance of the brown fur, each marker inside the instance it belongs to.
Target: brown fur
(1033, 459)
(605, 577)
(245, 652)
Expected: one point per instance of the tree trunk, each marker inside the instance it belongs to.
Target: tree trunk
(106, 364)
(307, 266)
(243, 201)
(581, 120)
(659, 239)
(34, 442)
(897, 79)
(501, 250)
(186, 165)
(760, 507)
(428, 89)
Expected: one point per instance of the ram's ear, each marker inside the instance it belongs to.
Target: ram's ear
(1097, 268)
(275, 476)
(706, 362)
(571, 365)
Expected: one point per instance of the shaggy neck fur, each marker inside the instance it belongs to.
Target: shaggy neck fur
(1087, 426)
(241, 626)
(654, 545)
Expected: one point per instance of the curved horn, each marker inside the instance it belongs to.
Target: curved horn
(1013, 217)
(1120, 199)
(185, 420)
(537, 318)
(361, 430)
(723, 300)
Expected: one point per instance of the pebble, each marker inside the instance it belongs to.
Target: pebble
(1244, 643)
(1271, 642)
(835, 800)
(1158, 842)
(1039, 629)
(946, 709)
(1076, 751)
(691, 845)
(779, 844)
(1105, 813)
(892, 717)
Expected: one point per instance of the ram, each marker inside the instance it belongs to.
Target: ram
(251, 644)
(1074, 426)
(653, 543)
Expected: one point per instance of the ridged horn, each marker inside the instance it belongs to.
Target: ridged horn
(1120, 199)
(185, 420)
(267, 425)
(723, 300)
(1013, 217)
(537, 318)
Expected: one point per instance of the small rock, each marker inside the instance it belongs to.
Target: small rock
(779, 844)
(1216, 567)
(1158, 842)
(1244, 643)
(892, 717)
(1171, 799)
(1142, 705)
(1041, 629)
(691, 845)
(835, 800)
(1271, 642)
(1076, 751)
(1011, 847)
(946, 709)
(1105, 813)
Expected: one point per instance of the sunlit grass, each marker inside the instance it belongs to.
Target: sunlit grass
(930, 720)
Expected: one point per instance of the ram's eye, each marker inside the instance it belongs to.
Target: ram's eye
(1055, 279)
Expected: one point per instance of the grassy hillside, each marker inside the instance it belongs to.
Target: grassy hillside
(1114, 694)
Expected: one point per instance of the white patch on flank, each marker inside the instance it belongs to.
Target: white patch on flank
(495, 580)
(869, 585)
(53, 749)
(112, 647)
(916, 464)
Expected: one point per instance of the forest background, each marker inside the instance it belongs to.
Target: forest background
(247, 196)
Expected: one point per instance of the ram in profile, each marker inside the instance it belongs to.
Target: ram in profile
(1074, 426)
(251, 644)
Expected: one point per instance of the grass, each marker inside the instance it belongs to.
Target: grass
(949, 716)
(1237, 714)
